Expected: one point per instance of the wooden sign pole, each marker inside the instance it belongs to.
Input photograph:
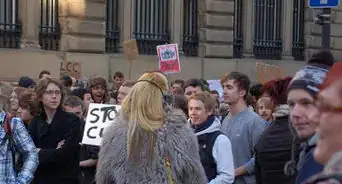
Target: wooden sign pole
(130, 69)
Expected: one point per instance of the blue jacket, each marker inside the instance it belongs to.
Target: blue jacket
(307, 165)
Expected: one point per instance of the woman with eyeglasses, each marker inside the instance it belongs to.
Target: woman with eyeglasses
(56, 135)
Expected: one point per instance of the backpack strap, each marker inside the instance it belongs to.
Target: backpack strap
(9, 135)
(7, 125)
(223, 117)
(211, 138)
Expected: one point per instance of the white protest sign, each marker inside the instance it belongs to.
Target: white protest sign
(99, 117)
(216, 85)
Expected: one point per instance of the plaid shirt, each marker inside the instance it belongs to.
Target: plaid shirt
(24, 145)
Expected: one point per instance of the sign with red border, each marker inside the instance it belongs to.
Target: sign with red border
(168, 57)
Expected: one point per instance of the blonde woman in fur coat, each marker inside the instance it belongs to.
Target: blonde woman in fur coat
(149, 143)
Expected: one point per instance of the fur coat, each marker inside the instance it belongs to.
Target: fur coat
(175, 139)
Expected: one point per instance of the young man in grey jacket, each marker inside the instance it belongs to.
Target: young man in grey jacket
(214, 147)
(242, 126)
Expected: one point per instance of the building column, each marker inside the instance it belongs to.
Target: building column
(29, 13)
(287, 29)
(127, 19)
(83, 26)
(176, 15)
(216, 24)
(248, 23)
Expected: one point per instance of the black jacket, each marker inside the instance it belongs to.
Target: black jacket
(272, 152)
(57, 166)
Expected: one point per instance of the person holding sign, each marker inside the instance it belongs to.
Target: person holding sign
(149, 142)
(56, 135)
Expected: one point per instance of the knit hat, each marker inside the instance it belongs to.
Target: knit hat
(312, 75)
(26, 82)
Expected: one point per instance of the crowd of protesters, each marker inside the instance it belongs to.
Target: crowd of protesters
(285, 131)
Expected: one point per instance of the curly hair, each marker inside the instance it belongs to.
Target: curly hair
(277, 89)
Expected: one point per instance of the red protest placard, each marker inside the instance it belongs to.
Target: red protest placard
(168, 58)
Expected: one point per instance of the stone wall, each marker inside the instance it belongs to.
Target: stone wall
(216, 28)
(83, 29)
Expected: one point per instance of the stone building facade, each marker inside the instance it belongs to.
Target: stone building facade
(226, 37)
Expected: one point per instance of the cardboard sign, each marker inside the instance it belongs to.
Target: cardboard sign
(99, 117)
(168, 56)
(131, 51)
(267, 72)
(72, 69)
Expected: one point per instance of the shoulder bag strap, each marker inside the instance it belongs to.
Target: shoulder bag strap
(168, 166)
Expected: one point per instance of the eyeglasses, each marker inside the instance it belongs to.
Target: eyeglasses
(99, 88)
(325, 107)
(51, 92)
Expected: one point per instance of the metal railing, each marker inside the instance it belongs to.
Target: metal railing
(50, 32)
(112, 27)
(10, 27)
(298, 42)
(190, 37)
(151, 24)
(238, 29)
(267, 30)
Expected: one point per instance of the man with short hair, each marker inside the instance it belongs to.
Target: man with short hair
(44, 73)
(215, 94)
(215, 148)
(301, 97)
(193, 86)
(118, 79)
(242, 126)
(88, 154)
(124, 90)
(177, 85)
(85, 95)
(74, 104)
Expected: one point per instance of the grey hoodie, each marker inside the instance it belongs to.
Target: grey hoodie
(175, 139)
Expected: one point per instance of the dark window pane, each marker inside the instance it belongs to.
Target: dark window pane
(151, 24)
(190, 32)
(50, 32)
(267, 30)
(298, 45)
(112, 27)
(10, 27)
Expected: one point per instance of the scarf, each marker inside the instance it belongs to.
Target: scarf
(281, 111)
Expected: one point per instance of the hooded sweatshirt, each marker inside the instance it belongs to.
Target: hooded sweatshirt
(222, 151)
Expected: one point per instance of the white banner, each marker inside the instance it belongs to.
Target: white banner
(99, 117)
(216, 85)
